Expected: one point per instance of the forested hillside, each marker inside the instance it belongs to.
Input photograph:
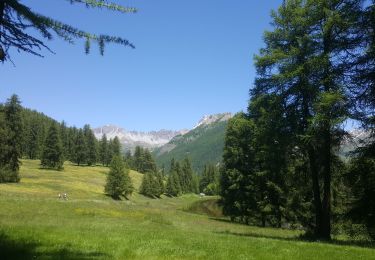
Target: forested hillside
(203, 145)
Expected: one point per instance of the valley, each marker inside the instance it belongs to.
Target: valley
(36, 224)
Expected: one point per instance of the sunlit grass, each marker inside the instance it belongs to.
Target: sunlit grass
(34, 223)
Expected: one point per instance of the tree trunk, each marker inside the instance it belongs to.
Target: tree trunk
(316, 191)
(326, 207)
(263, 220)
(313, 165)
(327, 137)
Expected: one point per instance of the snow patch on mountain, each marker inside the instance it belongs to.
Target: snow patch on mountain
(210, 119)
(153, 139)
(130, 139)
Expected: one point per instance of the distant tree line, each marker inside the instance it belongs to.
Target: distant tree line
(181, 179)
(141, 160)
(28, 134)
(280, 162)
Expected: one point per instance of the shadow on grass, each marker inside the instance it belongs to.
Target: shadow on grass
(12, 249)
(51, 169)
(301, 238)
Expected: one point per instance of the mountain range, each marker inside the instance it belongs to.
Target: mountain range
(202, 144)
(131, 139)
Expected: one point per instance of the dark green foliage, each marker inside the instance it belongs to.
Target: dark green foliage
(361, 179)
(52, 155)
(64, 137)
(16, 18)
(104, 151)
(173, 187)
(115, 147)
(142, 160)
(79, 155)
(91, 145)
(186, 176)
(152, 185)
(129, 159)
(181, 179)
(239, 182)
(209, 181)
(13, 122)
(280, 159)
(202, 145)
(11, 131)
(118, 181)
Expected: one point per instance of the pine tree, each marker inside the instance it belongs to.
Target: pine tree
(115, 147)
(13, 122)
(103, 150)
(173, 187)
(240, 185)
(79, 156)
(6, 175)
(129, 159)
(160, 182)
(186, 177)
(11, 148)
(138, 159)
(72, 137)
(118, 181)
(52, 155)
(91, 145)
(16, 18)
(64, 136)
(209, 182)
(151, 186)
(148, 162)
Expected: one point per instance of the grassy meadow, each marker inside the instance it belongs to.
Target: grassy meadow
(35, 224)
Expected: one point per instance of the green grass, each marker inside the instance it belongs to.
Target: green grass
(35, 224)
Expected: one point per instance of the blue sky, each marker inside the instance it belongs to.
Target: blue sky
(192, 58)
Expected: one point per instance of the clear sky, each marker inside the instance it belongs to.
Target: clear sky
(192, 58)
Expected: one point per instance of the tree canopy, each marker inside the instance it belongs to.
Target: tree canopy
(17, 18)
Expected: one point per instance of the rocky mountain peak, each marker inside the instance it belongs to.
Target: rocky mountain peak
(210, 119)
(152, 139)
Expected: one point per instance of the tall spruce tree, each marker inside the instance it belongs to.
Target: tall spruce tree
(186, 177)
(64, 136)
(91, 145)
(138, 158)
(53, 154)
(11, 141)
(13, 121)
(103, 150)
(115, 147)
(79, 154)
(173, 187)
(239, 182)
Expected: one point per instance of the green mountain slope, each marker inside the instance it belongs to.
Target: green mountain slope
(202, 145)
